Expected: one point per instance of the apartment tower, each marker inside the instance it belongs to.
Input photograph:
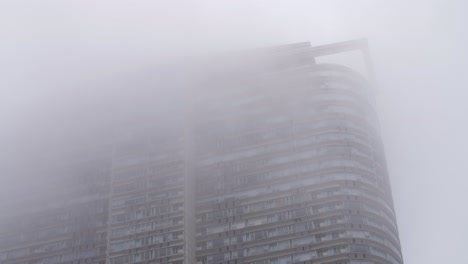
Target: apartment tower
(275, 159)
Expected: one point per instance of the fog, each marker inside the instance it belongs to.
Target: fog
(66, 66)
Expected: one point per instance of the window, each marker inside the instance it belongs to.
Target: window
(303, 256)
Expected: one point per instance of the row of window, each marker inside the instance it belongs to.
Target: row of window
(169, 161)
(272, 218)
(53, 246)
(303, 197)
(373, 222)
(331, 124)
(71, 256)
(143, 183)
(374, 237)
(270, 204)
(338, 137)
(207, 197)
(286, 244)
(275, 232)
(310, 80)
(57, 230)
(51, 218)
(389, 213)
(147, 255)
(268, 113)
(144, 213)
(147, 197)
(270, 128)
(315, 153)
(145, 241)
(336, 96)
(145, 227)
(301, 227)
(308, 139)
(288, 259)
(381, 253)
(310, 159)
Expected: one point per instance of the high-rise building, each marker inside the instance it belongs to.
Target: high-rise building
(277, 159)
(290, 166)
(149, 198)
(66, 224)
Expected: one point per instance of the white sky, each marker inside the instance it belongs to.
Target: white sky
(48, 48)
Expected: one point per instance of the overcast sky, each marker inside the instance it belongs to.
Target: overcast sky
(50, 50)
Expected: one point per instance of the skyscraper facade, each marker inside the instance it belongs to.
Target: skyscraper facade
(68, 224)
(290, 167)
(277, 159)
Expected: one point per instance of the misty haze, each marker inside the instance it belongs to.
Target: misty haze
(205, 132)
